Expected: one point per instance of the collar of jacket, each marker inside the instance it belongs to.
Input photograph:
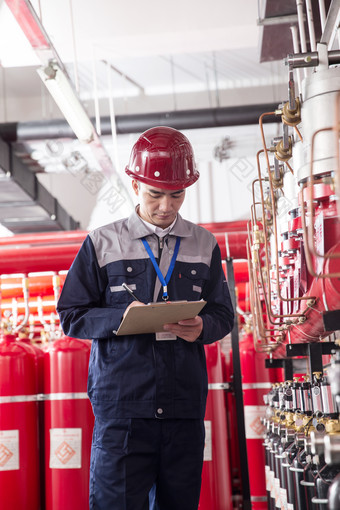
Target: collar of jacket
(138, 229)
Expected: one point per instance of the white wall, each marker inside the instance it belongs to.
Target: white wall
(222, 193)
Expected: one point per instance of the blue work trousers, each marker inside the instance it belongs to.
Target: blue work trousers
(131, 458)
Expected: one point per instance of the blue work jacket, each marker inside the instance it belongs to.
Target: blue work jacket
(137, 376)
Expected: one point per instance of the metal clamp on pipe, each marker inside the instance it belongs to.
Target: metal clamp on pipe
(310, 59)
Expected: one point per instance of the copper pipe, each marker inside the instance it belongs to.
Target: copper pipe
(252, 214)
(268, 301)
(275, 224)
(257, 297)
(254, 202)
(254, 220)
(298, 132)
(252, 301)
(252, 297)
(256, 300)
(260, 179)
(289, 167)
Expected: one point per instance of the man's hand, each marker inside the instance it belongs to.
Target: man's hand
(134, 303)
(188, 329)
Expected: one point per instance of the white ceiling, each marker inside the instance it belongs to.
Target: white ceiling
(116, 29)
(149, 56)
(183, 55)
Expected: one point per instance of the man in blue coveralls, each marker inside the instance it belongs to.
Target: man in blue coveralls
(148, 391)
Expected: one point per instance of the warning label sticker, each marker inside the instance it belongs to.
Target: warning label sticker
(9, 450)
(252, 417)
(207, 445)
(65, 448)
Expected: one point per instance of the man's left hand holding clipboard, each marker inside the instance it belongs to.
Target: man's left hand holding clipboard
(187, 329)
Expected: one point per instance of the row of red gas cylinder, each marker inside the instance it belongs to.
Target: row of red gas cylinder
(46, 426)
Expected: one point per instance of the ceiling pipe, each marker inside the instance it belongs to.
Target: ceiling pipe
(225, 226)
(137, 123)
(65, 237)
(42, 253)
(23, 259)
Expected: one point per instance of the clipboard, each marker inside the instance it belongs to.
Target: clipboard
(152, 317)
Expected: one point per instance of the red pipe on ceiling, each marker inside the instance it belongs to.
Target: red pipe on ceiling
(54, 257)
(234, 242)
(41, 285)
(241, 273)
(226, 226)
(69, 236)
(55, 251)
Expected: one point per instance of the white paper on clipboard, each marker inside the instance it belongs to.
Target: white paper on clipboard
(152, 317)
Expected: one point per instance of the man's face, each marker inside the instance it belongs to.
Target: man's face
(158, 206)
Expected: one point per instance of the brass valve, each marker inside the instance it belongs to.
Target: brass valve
(277, 416)
(306, 421)
(291, 117)
(277, 183)
(23, 333)
(6, 327)
(257, 235)
(289, 420)
(332, 426)
(281, 153)
(255, 255)
(311, 302)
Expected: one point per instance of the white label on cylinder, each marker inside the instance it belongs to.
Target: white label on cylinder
(283, 498)
(267, 470)
(277, 492)
(65, 448)
(252, 417)
(207, 445)
(9, 450)
(271, 484)
(290, 506)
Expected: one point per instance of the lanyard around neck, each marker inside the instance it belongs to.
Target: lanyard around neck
(164, 281)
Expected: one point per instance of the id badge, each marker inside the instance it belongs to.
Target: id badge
(165, 335)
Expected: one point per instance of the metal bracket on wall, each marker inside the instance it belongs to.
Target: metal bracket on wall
(314, 352)
(285, 363)
(331, 320)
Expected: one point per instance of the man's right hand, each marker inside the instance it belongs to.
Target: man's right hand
(134, 303)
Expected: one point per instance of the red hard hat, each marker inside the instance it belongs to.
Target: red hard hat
(163, 157)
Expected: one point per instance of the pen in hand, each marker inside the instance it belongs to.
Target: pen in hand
(129, 291)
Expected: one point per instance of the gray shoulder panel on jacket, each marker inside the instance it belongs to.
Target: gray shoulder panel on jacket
(113, 242)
